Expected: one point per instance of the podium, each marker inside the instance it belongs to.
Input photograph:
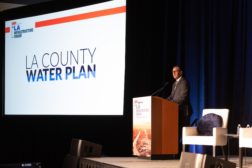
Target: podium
(155, 127)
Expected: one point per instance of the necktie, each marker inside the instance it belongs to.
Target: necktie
(173, 90)
(176, 83)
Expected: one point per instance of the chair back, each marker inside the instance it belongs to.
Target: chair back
(245, 137)
(224, 113)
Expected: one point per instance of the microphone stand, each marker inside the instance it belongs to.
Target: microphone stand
(160, 89)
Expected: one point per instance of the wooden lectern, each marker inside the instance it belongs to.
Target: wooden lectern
(155, 127)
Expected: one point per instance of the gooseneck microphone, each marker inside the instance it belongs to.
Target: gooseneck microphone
(160, 89)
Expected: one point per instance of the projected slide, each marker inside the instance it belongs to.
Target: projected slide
(70, 62)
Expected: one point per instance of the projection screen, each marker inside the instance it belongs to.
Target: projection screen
(69, 62)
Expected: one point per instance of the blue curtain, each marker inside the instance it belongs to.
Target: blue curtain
(214, 46)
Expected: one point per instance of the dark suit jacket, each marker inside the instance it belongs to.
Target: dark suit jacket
(180, 95)
(180, 92)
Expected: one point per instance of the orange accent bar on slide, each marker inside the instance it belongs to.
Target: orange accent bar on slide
(7, 29)
(81, 16)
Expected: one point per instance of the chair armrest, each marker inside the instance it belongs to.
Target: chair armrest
(219, 131)
(219, 135)
(190, 131)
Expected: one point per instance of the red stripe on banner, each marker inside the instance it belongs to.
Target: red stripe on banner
(80, 16)
(7, 30)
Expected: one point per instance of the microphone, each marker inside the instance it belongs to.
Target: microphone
(160, 89)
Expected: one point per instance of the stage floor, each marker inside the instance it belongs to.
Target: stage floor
(135, 162)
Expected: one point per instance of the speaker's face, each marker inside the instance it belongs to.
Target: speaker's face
(176, 72)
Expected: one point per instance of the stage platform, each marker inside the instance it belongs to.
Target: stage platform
(128, 162)
(135, 162)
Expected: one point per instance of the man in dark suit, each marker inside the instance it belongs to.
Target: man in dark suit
(180, 95)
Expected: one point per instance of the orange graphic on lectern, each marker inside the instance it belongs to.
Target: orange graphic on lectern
(142, 141)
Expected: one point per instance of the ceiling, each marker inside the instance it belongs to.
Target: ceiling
(8, 4)
(23, 2)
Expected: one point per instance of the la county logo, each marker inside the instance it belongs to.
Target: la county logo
(17, 31)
